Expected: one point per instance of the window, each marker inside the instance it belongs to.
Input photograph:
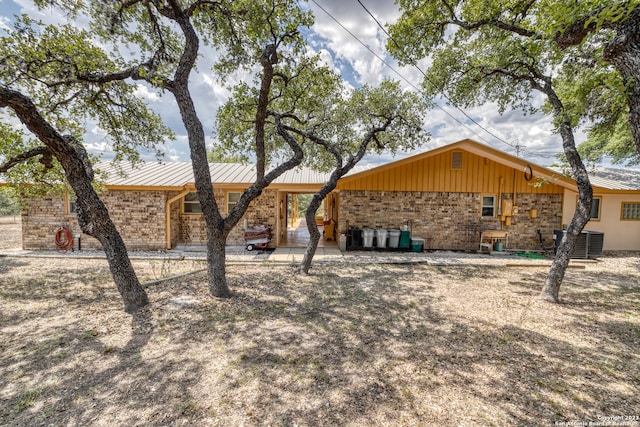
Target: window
(630, 211)
(190, 204)
(595, 209)
(456, 160)
(72, 208)
(232, 200)
(488, 206)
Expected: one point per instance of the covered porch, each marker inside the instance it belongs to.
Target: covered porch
(291, 229)
(297, 236)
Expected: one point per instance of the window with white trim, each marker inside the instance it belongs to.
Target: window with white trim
(630, 211)
(191, 204)
(488, 206)
(232, 199)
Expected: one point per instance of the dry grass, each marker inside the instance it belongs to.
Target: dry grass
(349, 345)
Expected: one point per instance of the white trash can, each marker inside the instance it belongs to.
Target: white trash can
(367, 237)
(381, 237)
(394, 238)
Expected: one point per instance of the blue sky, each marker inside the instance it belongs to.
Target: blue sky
(357, 66)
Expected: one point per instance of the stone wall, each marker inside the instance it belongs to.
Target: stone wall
(448, 221)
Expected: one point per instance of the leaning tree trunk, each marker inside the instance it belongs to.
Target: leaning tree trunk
(551, 289)
(124, 276)
(314, 233)
(624, 53)
(93, 218)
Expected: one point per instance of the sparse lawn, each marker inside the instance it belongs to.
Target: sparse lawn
(349, 345)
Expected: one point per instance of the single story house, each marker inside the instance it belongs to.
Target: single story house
(449, 196)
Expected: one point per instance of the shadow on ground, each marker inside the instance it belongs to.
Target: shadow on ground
(355, 345)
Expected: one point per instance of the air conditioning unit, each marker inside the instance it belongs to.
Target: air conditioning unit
(588, 245)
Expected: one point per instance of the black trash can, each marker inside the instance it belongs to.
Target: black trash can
(354, 238)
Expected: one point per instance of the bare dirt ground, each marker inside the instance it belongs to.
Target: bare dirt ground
(357, 345)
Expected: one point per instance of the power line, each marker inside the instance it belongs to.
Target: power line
(396, 71)
(413, 62)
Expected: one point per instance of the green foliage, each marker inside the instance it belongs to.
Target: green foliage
(34, 174)
(302, 88)
(605, 143)
(501, 51)
(9, 201)
(475, 62)
(218, 154)
(304, 200)
(594, 95)
(58, 67)
(613, 142)
(314, 100)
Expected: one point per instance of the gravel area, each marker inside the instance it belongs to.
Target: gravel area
(459, 339)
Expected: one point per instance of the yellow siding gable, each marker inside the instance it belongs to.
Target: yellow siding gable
(435, 174)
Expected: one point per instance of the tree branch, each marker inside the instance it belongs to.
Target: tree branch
(494, 23)
(573, 34)
(45, 152)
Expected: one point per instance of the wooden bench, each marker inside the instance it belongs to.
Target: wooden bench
(488, 238)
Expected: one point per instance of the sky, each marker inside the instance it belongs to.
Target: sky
(357, 65)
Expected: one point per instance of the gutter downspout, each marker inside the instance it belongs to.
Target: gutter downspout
(167, 215)
(514, 191)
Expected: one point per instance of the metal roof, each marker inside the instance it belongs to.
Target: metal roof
(613, 178)
(616, 179)
(177, 174)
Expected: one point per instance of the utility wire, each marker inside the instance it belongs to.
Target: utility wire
(398, 73)
(413, 62)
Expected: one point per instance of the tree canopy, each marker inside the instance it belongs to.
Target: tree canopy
(580, 46)
(55, 66)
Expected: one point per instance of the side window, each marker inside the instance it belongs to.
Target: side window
(232, 200)
(488, 206)
(72, 208)
(190, 204)
(630, 211)
(595, 209)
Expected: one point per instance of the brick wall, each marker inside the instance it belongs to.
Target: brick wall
(449, 221)
(41, 217)
(138, 216)
(262, 211)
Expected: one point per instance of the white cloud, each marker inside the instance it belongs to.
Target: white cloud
(341, 51)
(142, 91)
(5, 23)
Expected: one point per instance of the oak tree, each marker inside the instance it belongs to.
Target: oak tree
(334, 126)
(45, 82)
(160, 42)
(503, 52)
